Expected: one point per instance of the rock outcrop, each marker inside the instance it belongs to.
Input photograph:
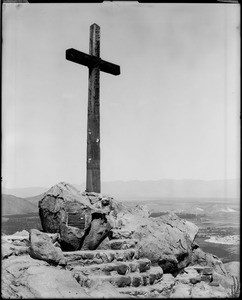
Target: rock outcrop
(167, 240)
(207, 259)
(42, 247)
(134, 276)
(81, 219)
(24, 277)
(94, 246)
(115, 272)
(14, 245)
(233, 268)
(99, 229)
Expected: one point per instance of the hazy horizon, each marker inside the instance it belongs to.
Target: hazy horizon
(164, 188)
(120, 180)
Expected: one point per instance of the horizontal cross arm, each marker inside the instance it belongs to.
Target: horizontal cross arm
(108, 67)
(91, 61)
(81, 58)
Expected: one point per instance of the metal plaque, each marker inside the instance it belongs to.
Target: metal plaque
(76, 220)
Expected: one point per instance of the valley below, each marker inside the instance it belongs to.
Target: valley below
(218, 221)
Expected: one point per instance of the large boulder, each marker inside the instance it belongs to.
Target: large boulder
(56, 206)
(41, 247)
(167, 240)
(99, 230)
(75, 215)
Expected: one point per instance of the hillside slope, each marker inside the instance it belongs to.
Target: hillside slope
(12, 205)
(24, 192)
(34, 200)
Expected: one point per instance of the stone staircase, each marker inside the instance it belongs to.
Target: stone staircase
(120, 265)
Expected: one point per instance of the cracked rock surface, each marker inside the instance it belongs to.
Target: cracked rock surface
(166, 240)
(121, 252)
(25, 277)
(42, 247)
(61, 210)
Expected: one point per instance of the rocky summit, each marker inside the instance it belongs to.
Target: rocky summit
(93, 246)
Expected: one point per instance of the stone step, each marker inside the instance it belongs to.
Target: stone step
(132, 279)
(89, 257)
(120, 234)
(10, 238)
(114, 268)
(119, 244)
(160, 289)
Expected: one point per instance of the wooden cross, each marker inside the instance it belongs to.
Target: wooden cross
(95, 65)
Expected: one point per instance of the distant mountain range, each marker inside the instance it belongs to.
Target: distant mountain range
(25, 192)
(152, 188)
(24, 200)
(170, 188)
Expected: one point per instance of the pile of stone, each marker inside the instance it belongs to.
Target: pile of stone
(86, 220)
(94, 246)
(83, 220)
(120, 265)
(43, 270)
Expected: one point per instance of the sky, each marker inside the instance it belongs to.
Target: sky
(173, 112)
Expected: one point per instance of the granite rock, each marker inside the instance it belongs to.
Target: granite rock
(26, 278)
(202, 258)
(166, 240)
(233, 268)
(41, 247)
(65, 210)
(11, 249)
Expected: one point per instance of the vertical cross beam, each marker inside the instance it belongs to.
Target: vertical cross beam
(93, 176)
(95, 64)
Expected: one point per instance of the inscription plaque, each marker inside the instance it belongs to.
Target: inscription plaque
(76, 220)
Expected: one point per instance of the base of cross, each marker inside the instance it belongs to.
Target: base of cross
(93, 182)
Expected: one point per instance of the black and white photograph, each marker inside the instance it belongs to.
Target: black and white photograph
(120, 150)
